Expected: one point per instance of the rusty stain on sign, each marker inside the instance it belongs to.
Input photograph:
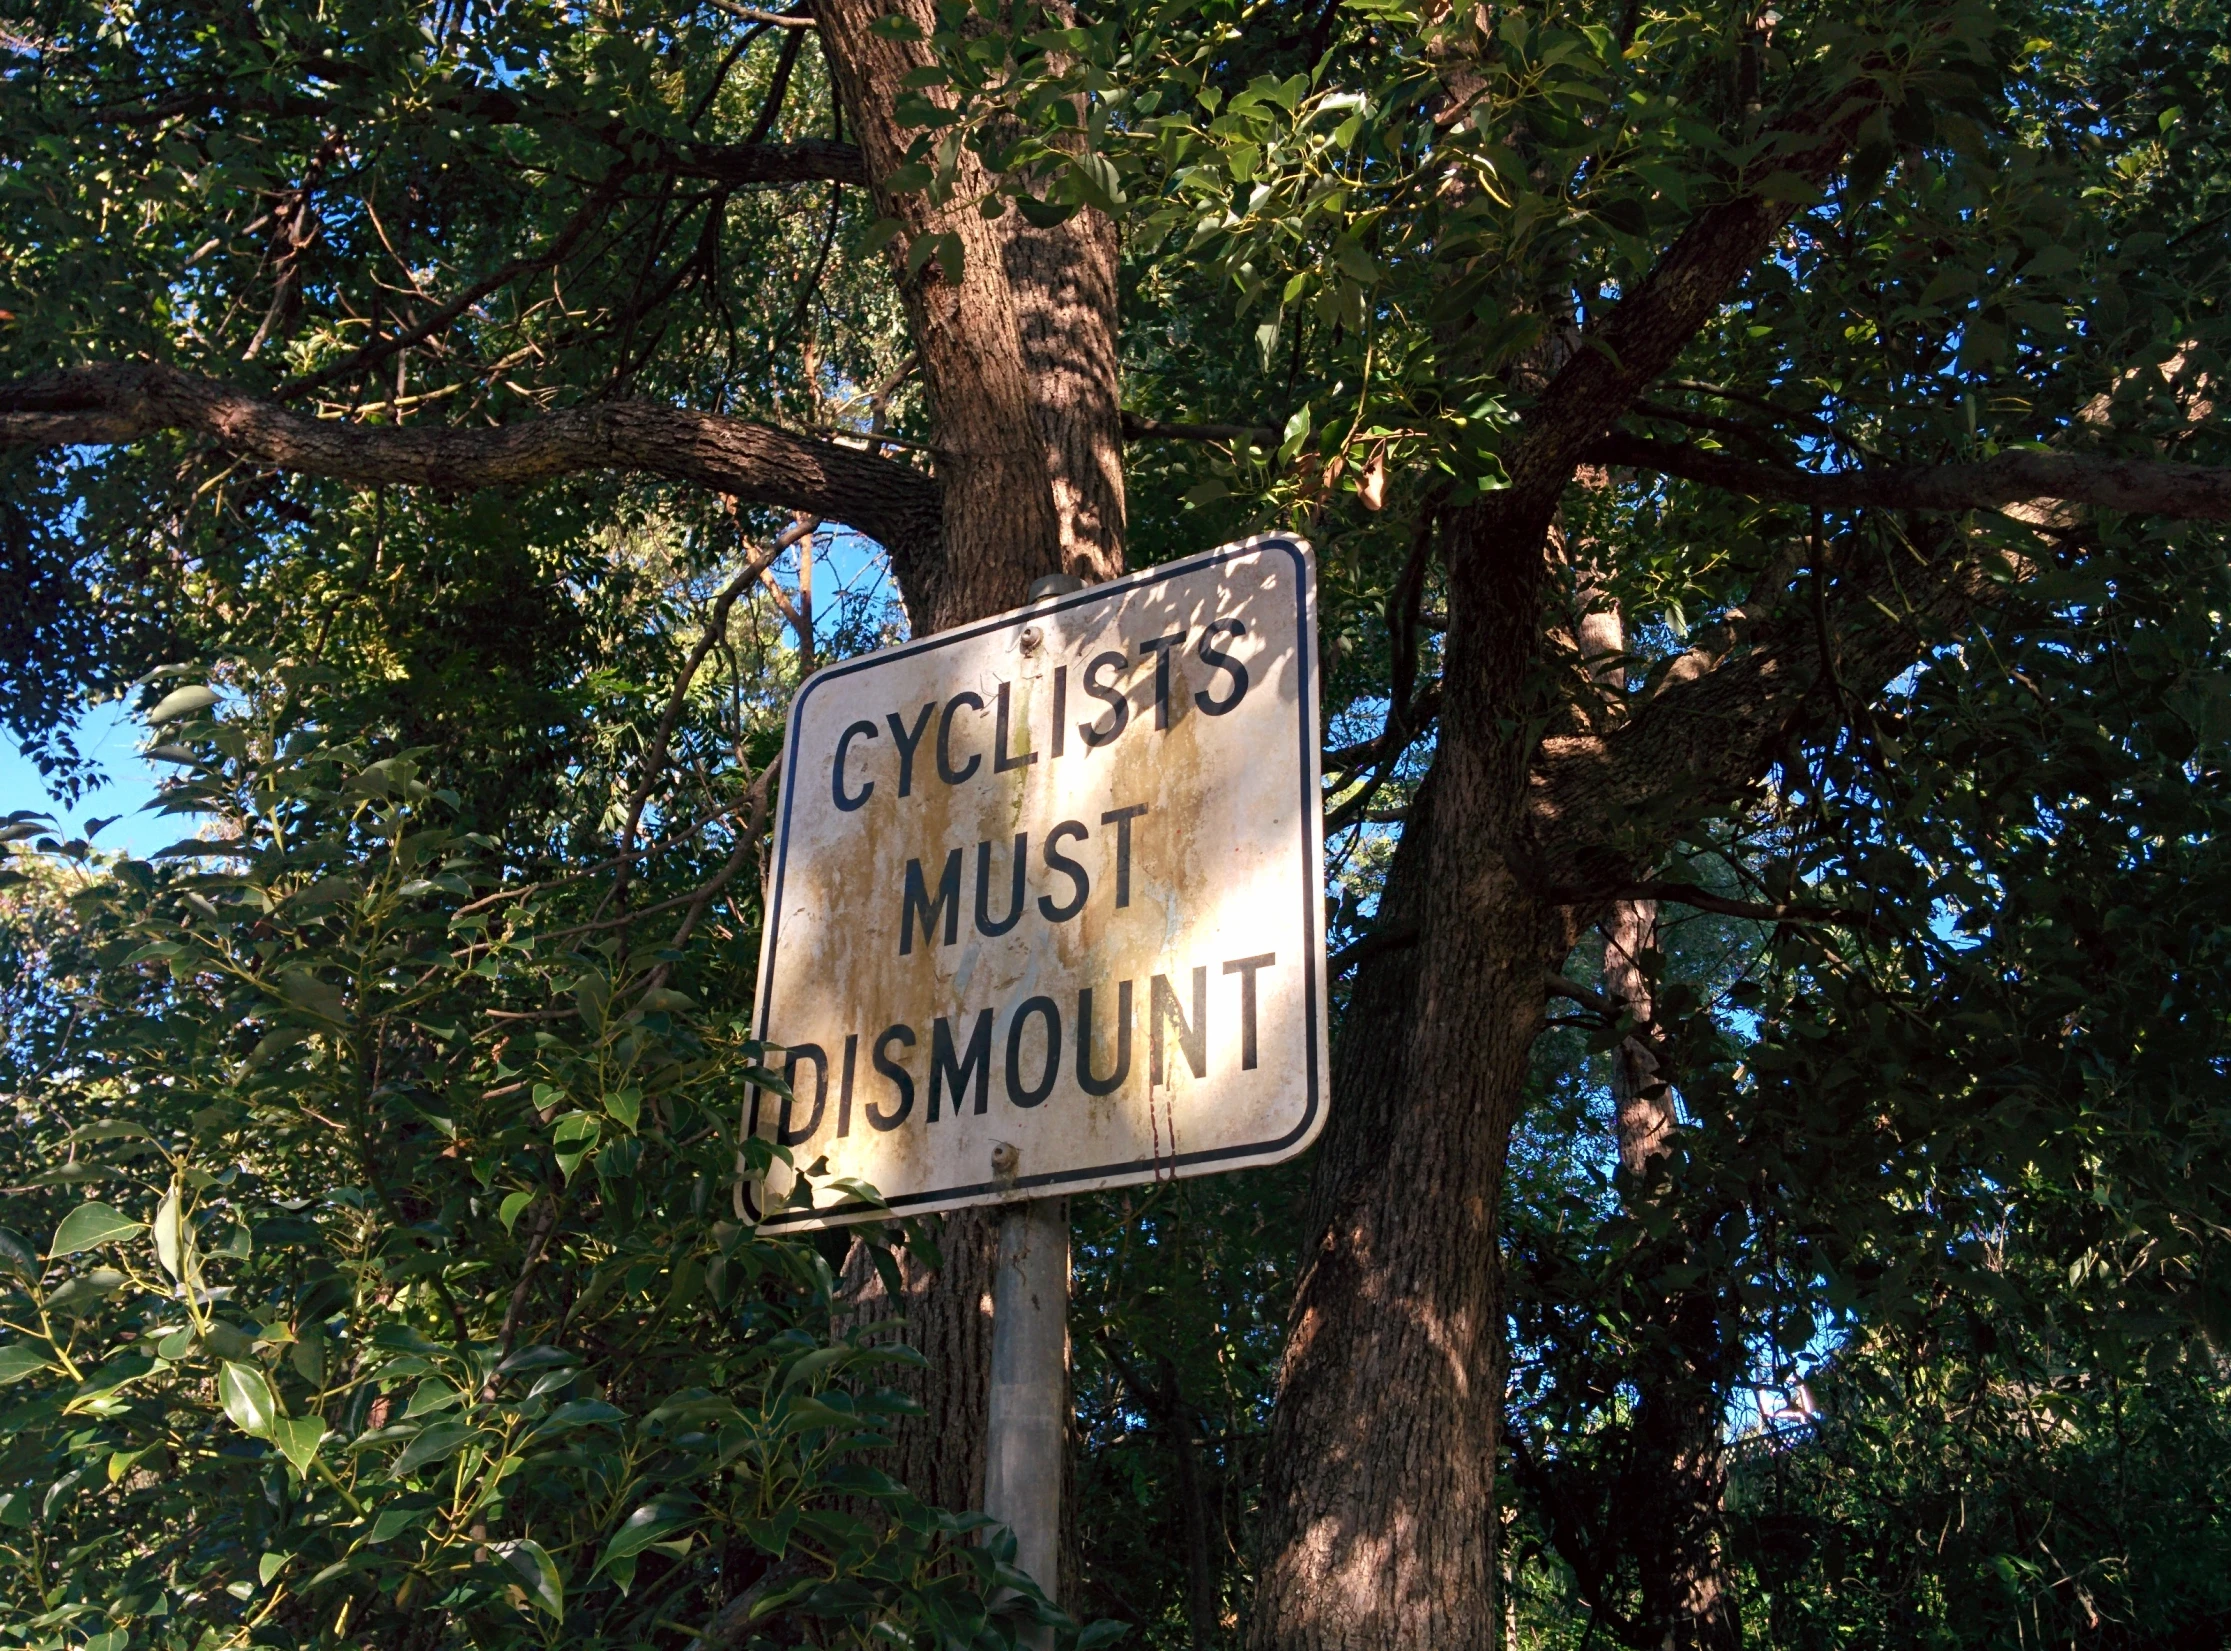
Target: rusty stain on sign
(1045, 909)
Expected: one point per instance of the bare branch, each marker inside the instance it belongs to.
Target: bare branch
(1557, 985)
(2154, 487)
(598, 203)
(654, 756)
(887, 500)
(1398, 735)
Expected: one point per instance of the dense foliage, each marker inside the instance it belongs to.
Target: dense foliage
(391, 1282)
(371, 1275)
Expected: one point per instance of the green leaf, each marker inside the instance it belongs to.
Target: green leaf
(580, 1413)
(592, 995)
(655, 1521)
(437, 1443)
(88, 1226)
(269, 1566)
(169, 1234)
(1790, 188)
(78, 1296)
(540, 1573)
(181, 702)
(298, 1439)
(508, 1211)
(247, 1398)
(813, 1365)
(19, 1362)
(539, 1357)
(1098, 181)
(17, 1256)
(392, 1522)
(771, 1535)
(431, 1395)
(117, 1129)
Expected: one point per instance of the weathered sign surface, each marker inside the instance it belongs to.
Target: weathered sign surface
(1045, 908)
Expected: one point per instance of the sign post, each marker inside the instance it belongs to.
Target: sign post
(1045, 915)
(1026, 1430)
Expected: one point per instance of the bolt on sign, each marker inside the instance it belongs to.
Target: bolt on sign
(1045, 909)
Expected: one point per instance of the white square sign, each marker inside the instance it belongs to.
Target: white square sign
(1045, 911)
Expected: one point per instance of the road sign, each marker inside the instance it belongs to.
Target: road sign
(1046, 907)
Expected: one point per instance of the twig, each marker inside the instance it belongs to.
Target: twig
(654, 757)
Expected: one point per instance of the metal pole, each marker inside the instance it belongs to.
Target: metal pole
(1030, 1385)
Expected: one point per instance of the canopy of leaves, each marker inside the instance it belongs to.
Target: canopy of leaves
(370, 1276)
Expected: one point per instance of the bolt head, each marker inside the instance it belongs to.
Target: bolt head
(1005, 1158)
(1031, 638)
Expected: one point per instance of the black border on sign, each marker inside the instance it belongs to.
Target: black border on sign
(1311, 809)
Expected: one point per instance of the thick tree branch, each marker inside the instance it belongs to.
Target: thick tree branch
(774, 19)
(809, 160)
(2186, 492)
(1604, 807)
(1382, 940)
(887, 500)
(1756, 911)
(1652, 324)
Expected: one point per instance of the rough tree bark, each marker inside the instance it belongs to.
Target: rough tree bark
(1019, 366)
(1641, 1103)
(1017, 349)
(1379, 1496)
(1670, 1493)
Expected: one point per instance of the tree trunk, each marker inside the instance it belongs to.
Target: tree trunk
(946, 1314)
(1017, 349)
(1669, 1515)
(1675, 1481)
(1677, 1476)
(1018, 355)
(1380, 1486)
(1641, 1102)
(1175, 1418)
